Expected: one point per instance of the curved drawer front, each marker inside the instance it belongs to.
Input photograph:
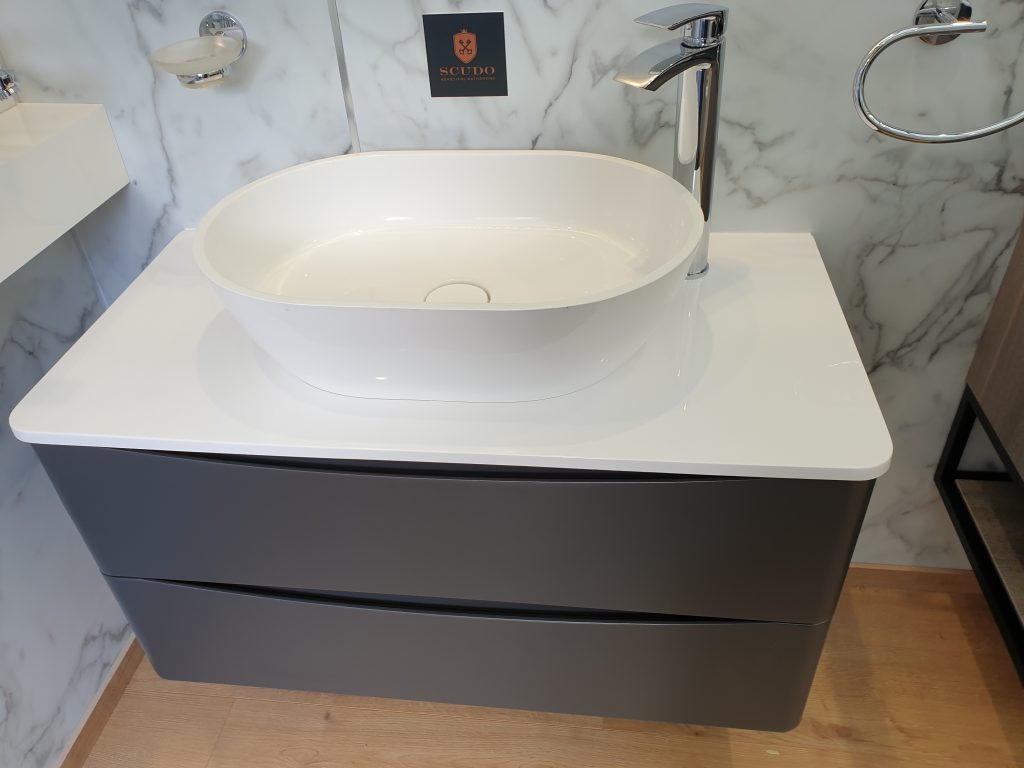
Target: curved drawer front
(774, 550)
(736, 674)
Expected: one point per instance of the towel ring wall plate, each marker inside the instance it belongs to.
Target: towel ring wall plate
(941, 12)
(935, 24)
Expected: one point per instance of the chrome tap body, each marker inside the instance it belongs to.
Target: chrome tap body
(696, 59)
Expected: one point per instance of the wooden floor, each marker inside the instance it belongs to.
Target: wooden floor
(913, 674)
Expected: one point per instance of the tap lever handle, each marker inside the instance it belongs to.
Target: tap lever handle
(676, 16)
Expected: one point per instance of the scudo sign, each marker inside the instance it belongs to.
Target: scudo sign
(466, 54)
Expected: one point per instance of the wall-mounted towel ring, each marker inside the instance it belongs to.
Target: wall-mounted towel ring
(935, 32)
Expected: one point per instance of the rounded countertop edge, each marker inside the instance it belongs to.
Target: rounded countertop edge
(68, 406)
(859, 473)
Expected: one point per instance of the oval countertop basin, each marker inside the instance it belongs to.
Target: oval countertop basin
(475, 275)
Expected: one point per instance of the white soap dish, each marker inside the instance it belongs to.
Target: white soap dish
(206, 60)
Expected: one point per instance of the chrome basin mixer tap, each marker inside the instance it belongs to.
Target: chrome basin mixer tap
(696, 59)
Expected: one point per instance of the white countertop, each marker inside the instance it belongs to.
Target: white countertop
(769, 384)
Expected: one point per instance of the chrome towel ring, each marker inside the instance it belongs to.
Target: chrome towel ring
(936, 22)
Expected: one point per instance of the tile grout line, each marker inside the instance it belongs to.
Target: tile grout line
(346, 87)
(84, 252)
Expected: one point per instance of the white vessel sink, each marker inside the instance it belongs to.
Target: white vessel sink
(58, 163)
(475, 276)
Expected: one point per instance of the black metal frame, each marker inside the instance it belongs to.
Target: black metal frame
(946, 475)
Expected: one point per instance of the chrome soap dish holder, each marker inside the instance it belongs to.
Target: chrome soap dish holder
(936, 22)
(204, 61)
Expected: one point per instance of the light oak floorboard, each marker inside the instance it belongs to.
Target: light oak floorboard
(103, 707)
(914, 673)
(911, 578)
(164, 730)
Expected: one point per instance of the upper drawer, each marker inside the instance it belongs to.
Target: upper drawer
(774, 550)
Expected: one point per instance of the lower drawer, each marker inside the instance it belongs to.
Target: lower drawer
(725, 673)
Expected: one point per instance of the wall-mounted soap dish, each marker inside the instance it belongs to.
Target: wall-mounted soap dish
(206, 60)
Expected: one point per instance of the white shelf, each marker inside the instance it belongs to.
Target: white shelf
(58, 163)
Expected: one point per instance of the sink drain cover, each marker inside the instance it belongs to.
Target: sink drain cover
(458, 293)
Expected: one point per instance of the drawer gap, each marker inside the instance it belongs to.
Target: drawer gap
(456, 607)
(440, 470)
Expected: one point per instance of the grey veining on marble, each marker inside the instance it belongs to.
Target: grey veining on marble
(60, 629)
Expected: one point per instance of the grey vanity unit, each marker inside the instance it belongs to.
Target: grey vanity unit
(594, 554)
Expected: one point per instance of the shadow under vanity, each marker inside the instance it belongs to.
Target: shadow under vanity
(667, 544)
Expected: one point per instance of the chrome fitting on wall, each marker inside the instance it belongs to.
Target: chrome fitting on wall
(936, 22)
(941, 12)
(8, 85)
(205, 61)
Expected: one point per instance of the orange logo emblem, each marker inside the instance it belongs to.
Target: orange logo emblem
(465, 46)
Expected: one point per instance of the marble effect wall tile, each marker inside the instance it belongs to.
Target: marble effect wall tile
(183, 149)
(60, 629)
(915, 237)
